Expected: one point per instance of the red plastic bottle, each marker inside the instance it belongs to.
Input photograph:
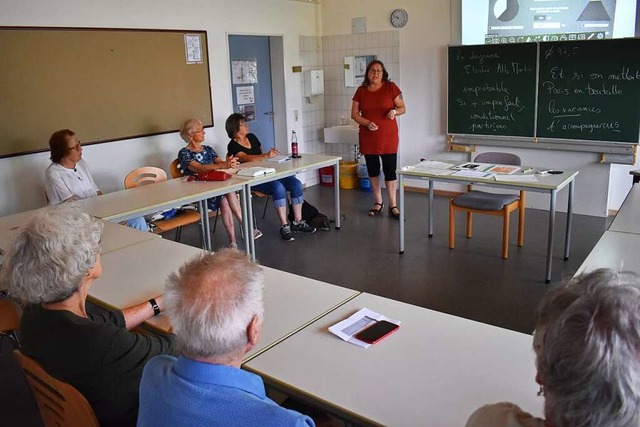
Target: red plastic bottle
(294, 145)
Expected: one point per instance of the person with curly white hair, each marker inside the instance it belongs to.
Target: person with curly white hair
(587, 342)
(52, 262)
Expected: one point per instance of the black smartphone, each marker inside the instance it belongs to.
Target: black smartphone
(374, 333)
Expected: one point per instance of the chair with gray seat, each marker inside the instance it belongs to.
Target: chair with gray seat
(482, 202)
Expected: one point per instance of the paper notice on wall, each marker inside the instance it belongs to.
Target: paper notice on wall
(193, 48)
(245, 95)
(244, 71)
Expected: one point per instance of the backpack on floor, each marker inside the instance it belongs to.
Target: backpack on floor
(313, 217)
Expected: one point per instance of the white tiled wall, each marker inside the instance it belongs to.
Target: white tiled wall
(327, 53)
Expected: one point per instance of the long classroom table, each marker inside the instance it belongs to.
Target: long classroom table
(434, 371)
(134, 202)
(114, 237)
(137, 273)
(550, 184)
(627, 219)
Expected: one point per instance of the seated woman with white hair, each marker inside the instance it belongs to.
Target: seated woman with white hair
(587, 342)
(50, 265)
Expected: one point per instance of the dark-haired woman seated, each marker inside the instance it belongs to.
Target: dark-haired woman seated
(246, 147)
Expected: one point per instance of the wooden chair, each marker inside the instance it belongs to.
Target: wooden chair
(482, 202)
(149, 175)
(60, 404)
(10, 314)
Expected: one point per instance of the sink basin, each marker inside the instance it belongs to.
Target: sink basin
(342, 134)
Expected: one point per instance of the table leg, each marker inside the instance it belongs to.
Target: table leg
(247, 223)
(430, 210)
(401, 200)
(552, 222)
(203, 212)
(252, 243)
(336, 193)
(567, 236)
(207, 226)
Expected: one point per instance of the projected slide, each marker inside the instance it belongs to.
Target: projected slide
(549, 20)
(506, 10)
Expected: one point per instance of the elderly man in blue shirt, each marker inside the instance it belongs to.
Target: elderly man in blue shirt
(215, 305)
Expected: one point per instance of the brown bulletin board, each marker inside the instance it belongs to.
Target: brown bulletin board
(104, 84)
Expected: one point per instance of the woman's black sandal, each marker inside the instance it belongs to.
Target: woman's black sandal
(392, 214)
(376, 212)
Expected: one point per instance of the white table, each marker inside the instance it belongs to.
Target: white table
(114, 236)
(137, 273)
(627, 219)
(434, 371)
(615, 250)
(289, 168)
(550, 184)
(9, 224)
(135, 202)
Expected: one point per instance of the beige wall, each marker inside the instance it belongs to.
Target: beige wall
(433, 24)
(23, 176)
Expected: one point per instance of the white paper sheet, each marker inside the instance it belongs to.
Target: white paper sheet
(516, 178)
(348, 328)
(472, 174)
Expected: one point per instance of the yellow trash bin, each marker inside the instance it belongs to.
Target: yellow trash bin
(348, 175)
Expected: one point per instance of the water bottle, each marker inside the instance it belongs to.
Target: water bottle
(294, 145)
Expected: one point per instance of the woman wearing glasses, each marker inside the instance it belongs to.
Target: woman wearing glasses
(68, 177)
(375, 106)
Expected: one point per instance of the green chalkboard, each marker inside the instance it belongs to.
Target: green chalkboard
(492, 90)
(589, 90)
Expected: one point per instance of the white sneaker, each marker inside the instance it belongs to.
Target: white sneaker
(256, 234)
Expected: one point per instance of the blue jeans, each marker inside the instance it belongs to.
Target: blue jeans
(138, 224)
(278, 190)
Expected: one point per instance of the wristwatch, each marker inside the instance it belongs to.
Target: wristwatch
(155, 306)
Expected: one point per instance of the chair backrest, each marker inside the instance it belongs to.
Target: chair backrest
(9, 315)
(144, 176)
(60, 404)
(176, 171)
(499, 158)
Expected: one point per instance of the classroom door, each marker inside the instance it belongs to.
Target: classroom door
(250, 59)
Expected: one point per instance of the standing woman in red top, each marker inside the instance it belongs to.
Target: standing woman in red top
(375, 106)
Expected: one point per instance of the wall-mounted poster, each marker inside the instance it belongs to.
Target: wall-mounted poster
(248, 111)
(244, 71)
(245, 95)
(193, 48)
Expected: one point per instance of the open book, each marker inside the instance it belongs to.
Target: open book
(256, 171)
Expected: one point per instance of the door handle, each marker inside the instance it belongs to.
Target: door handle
(269, 113)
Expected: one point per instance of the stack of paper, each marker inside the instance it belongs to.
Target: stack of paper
(256, 171)
(279, 159)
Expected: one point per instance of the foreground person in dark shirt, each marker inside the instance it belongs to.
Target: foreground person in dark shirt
(50, 266)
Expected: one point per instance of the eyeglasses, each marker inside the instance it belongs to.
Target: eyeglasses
(375, 71)
(76, 147)
(197, 131)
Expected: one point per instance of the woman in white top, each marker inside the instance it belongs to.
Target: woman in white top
(68, 177)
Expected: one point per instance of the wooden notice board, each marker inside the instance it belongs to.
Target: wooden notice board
(104, 84)
(560, 92)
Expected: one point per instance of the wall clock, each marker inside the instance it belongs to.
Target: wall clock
(399, 18)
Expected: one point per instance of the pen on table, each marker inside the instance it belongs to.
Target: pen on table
(527, 170)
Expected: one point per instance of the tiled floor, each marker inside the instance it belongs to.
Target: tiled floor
(471, 281)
